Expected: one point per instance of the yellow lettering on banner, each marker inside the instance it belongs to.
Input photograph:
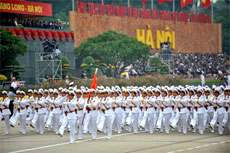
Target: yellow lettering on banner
(173, 40)
(140, 35)
(38, 9)
(4, 6)
(149, 37)
(30, 8)
(17, 7)
(159, 38)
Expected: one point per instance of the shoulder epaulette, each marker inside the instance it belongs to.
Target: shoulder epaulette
(1, 98)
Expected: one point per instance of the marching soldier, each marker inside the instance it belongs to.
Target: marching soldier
(80, 103)
(199, 111)
(219, 110)
(5, 111)
(135, 110)
(107, 112)
(70, 110)
(181, 116)
(117, 104)
(227, 107)
(92, 109)
(165, 112)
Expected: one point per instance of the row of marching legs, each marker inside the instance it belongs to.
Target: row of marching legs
(118, 122)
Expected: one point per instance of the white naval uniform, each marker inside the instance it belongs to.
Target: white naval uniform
(30, 109)
(190, 110)
(219, 113)
(14, 118)
(47, 101)
(70, 114)
(22, 111)
(199, 111)
(150, 114)
(117, 103)
(208, 113)
(181, 116)
(227, 107)
(135, 110)
(107, 112)
(92, 106)
(38, 120)
(57, 104)
(125, 108)
(5, 112)
(142, 110)
(173, 100)
(80, 103)
(165, 114)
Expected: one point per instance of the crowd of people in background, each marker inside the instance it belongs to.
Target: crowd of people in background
(193, 65)
(31, 23)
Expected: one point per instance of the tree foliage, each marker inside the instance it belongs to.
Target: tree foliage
(65, 67)
(11, 46)
(114, 48)
(221, 13)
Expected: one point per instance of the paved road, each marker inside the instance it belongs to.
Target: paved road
(119, 143)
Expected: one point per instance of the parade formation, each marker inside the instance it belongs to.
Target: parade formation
(119, 109)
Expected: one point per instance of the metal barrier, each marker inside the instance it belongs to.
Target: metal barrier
(168, 59)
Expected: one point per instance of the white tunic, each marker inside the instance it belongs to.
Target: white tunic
(4, 106)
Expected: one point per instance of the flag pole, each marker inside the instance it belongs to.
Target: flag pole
(128, 3)
(173, 5)
(84, 109)
(212, 10)
(72, 5)
(151, 4)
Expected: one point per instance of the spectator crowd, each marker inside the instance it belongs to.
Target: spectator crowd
(31, 23)
(193, 65)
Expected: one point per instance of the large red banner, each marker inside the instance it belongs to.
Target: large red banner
(26, 7)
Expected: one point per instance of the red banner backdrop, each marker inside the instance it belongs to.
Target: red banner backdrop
(28, 33)
(112, 10)
(26, 7)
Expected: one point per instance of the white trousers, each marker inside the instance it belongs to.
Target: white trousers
(93, 122)
(72, 123)
(22, 119)
(7, 122)
(135, 122)
(118, 121)
(14, 118)
(80, 126)
(56, 122)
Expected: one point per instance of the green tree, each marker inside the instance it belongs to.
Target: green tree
(156, 66)
(113, 49)
(11, 46)
(221, 13)
(89, 65)
(66, 67)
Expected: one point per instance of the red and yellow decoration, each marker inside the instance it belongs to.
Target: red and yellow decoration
(26, 7)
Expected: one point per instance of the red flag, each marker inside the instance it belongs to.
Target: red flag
(94, 83)
(160, 2)
(183, 3)
(144, 3)
(93, 86)
(205, 3)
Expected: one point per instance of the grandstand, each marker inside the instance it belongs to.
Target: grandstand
(24, 22)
